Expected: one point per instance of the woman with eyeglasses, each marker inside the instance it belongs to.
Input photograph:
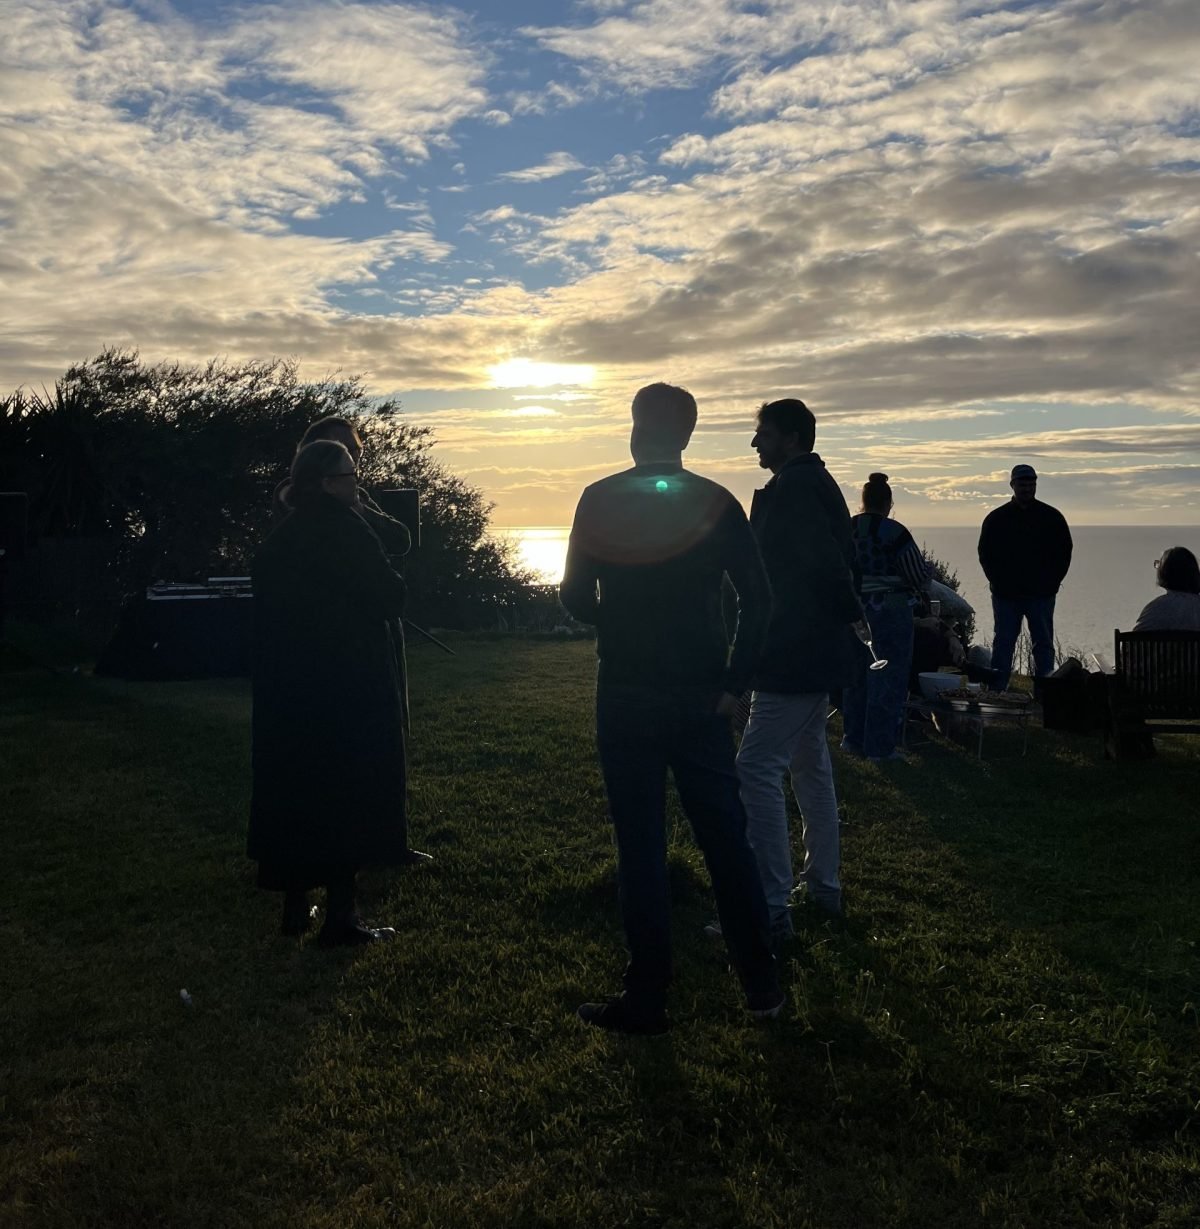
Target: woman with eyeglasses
(328, 736)
(1178, 609)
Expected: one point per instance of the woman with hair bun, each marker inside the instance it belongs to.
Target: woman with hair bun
(894, 575)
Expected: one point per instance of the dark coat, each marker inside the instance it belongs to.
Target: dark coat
(803, 529)
(328, 738)
(648, 551)
(397, 542)
(1025, 552)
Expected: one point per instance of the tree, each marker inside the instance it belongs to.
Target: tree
(168, 469)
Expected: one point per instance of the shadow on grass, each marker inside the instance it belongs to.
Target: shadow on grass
(1101, 858)
(124, 1104)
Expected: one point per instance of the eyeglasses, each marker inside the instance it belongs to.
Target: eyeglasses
(344, 473)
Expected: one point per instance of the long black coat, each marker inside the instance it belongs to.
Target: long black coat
(803, 529)
(328, 736)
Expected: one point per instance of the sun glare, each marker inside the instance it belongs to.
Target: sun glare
(542, 551)
(525, 373)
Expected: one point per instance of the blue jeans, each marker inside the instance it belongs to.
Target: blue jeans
(1007, 613)
(873, 708)
(786, 733)
(641, 732)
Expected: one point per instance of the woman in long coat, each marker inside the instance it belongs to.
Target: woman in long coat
(328, 735)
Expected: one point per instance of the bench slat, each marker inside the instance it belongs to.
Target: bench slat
(1159, 673)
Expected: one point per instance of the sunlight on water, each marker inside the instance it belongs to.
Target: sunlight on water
(1111, 577)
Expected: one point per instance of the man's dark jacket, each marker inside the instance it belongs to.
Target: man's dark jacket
(328, 738)
(1025, 552)
(803, 529)
(648, 553)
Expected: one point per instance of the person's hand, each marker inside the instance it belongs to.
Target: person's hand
(727, 704)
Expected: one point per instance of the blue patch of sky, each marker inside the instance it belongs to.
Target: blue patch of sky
(593, 133)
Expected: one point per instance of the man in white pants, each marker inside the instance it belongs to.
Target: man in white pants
(803, 529)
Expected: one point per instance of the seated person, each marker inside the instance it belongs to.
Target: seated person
(1178, 609)
(935, 644)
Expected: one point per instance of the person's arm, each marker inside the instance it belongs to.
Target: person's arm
(815, 533)
(1065, 547)
(1148, 620)
(987, 546)
(360, 567)
(579, 591)
(394, 534)
(911, 566)
(743, 565)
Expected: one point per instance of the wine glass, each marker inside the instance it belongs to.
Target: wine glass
(863, 629)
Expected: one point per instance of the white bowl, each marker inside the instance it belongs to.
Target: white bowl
(932, 683)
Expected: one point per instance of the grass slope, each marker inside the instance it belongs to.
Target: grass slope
(1006, 1036)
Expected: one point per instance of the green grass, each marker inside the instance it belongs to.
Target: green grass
(1007, 1035)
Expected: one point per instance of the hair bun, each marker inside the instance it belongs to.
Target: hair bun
(877, 478)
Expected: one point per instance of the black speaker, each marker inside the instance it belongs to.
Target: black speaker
(402, 504)
(14, 524)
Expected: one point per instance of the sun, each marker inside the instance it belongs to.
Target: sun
(525, 373)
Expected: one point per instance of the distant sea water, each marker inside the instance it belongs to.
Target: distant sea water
(1111, 577)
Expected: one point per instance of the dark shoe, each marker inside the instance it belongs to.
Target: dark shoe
(619, 1014)
(765, 1004)
(782, 933)
(811, 915)
(414, 857)
(345, 934)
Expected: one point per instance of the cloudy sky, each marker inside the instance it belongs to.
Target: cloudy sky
(966, 233)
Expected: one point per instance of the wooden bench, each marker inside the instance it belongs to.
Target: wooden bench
(1154, 688)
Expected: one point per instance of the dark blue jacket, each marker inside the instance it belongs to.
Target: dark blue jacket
(803, 529)
(1025, 552)
(649, 549)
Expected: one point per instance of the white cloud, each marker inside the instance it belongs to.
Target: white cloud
(905, 213)
(555, 164)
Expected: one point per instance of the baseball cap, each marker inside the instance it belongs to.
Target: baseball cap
(1022, 471)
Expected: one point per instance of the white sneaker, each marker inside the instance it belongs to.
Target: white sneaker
(712, 930)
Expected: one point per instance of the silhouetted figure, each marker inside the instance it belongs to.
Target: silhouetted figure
(894, 576)
(328, 733)
(647, 553)
(935, 644)
(394, 534)
(803, 530)
(1178, 609)
(1025, 552)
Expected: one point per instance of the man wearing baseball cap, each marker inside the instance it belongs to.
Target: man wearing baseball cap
(1025, 551)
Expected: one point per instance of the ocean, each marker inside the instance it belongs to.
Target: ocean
(1111, 577)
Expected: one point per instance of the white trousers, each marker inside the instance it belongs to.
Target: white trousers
(786, 733)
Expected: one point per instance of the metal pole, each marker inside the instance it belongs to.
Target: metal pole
(430, 637)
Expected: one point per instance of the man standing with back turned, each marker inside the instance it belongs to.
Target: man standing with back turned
(1025, 551)
(648, 551)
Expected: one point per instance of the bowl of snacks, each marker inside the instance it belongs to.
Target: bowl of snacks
(933, 683)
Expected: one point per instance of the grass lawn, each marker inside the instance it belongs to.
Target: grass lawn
(1007, 1035)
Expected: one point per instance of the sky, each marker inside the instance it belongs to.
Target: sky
(966, 234)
